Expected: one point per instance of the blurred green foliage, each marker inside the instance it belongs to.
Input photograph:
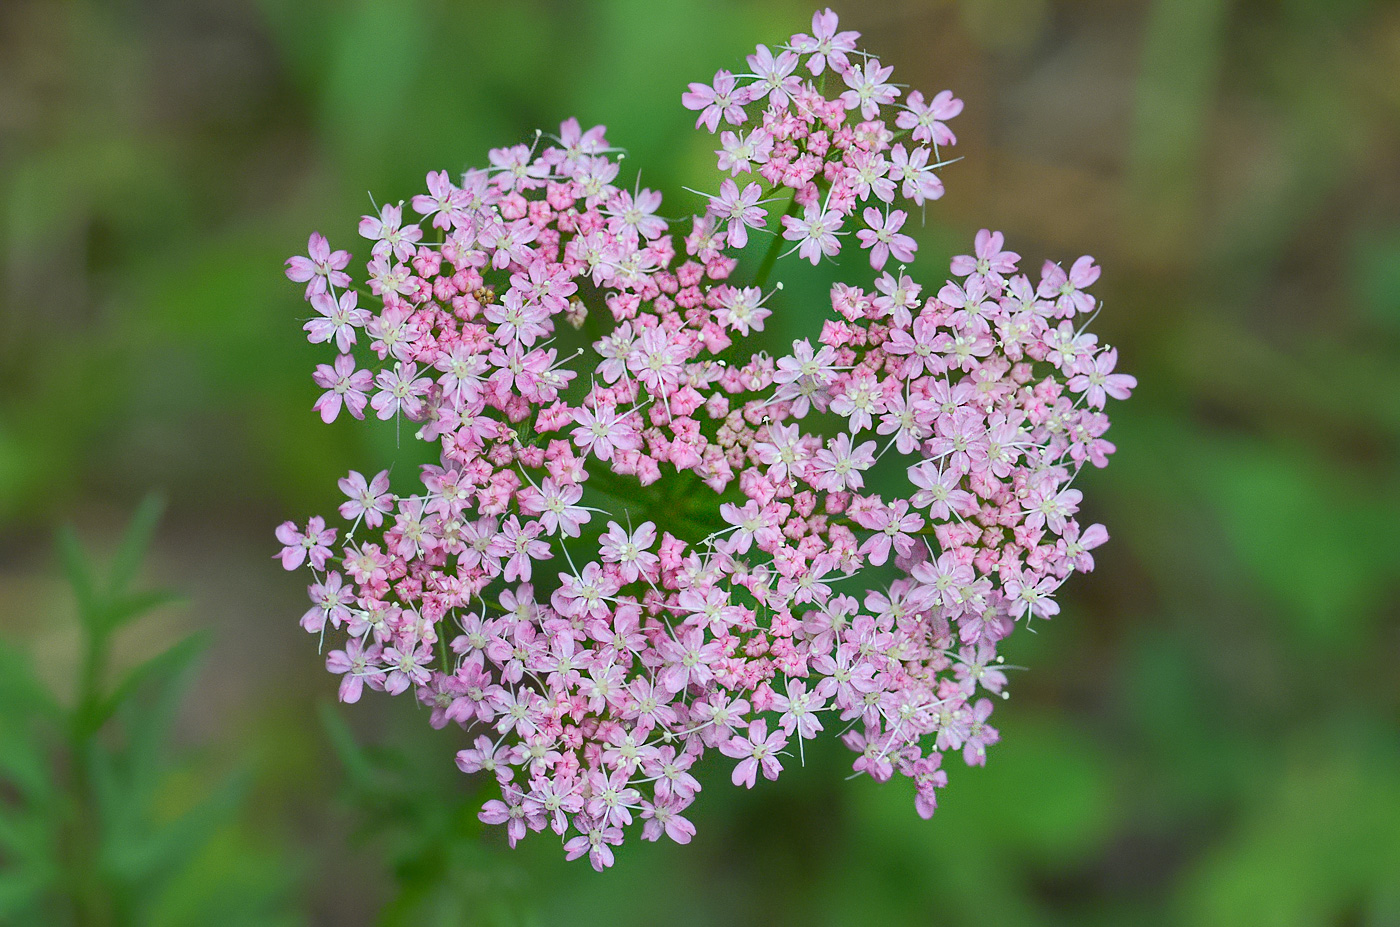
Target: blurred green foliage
(1208, 733)
(101, 823)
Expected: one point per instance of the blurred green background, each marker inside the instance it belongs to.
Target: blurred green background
(1207, 734)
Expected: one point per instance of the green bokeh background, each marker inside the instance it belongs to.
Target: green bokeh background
(1206, 735)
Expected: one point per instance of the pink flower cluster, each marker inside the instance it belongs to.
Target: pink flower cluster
(834, 152)
(641, 542)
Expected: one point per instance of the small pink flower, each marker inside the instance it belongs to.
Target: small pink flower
(815, 233)
(883, 237)
(557, 507)
(512, 811)
(342, 383)
(331, 600)
(601, 431)
(322, 268)
(664, 817)
(773, 77)
(356, 664)
(597, 840)
(389, 234)
(400, 390)
(1067, 290)
(636, 216)
(990, 262)
(1099, 381)
(739, 210)
(826, 46)
(444, 202)
(868, 88)
(631, 552)
(313, 544)
(980, 735)
(368, 500)
(840, 465)
(928, 119)
(757, 750)
(723, 98)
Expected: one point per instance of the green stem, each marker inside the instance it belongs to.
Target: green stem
(771, 257)
(91, 904)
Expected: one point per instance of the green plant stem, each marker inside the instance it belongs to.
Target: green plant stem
(91, 905)
(771, 257)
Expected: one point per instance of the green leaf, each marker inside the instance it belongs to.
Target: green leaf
(23, 705)
(26, 837)
(23, 765)
(358, 767)
(1322, 540)
(135, 544)
(21, 889)
(1316, 844)
(147, 725)
(102, 611)
(232, 880)
(162, 851)
(78, 572)
(118, 813)
(20, 692)
(130, 607)
(172, 662)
